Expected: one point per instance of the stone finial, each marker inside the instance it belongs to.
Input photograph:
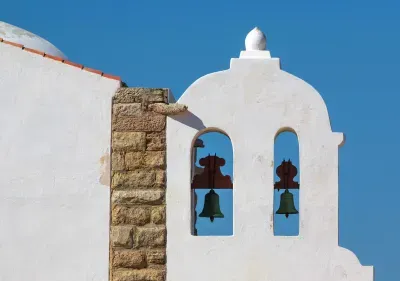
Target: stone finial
(255, 40)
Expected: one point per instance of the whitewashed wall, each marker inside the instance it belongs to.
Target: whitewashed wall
(55, 128)
(252, 102)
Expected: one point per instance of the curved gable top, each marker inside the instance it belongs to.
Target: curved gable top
(252, 102)
(255, 81)
(18, 35)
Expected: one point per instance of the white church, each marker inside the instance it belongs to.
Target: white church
(99, 178)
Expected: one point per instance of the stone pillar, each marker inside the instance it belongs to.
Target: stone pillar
(138, 230)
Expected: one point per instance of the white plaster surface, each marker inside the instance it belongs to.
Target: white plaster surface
(253, 101)
(55, 127)
(28, 39)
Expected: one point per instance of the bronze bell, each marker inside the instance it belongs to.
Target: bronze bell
(287, 204)
(211, 206)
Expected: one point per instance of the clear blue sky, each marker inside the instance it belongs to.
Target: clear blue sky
(348, 50)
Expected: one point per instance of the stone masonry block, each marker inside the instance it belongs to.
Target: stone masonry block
(148, 159)
(160, 177)
(156, 141)
(134, 160)
(128, 109)
(148, 122)
(158, 215)
(155, 159)
(129, 259)
(151, 237)
(129, 141)
(133, 95)
(136, 215)
(134, 179)
(118, 161)
(151, 197)
(157, 256)
(139, 275)
(121, 236)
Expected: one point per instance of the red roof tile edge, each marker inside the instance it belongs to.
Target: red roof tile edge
(99, 72)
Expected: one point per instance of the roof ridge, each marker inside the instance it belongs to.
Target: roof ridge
(34, 51)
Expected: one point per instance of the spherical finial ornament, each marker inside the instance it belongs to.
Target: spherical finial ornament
(255, 40)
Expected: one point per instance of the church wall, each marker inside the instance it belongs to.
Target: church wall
(55, 134)
(138, 232)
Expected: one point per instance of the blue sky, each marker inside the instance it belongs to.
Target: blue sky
(348, 50)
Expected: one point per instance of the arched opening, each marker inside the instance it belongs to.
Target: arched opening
(287, 184)
(212, 185)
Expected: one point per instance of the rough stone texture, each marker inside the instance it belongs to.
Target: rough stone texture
(129, 259)
(156, 256)
(135, 215)
(155, 141)
(121, 236)
(158, 215)
(145, 197)
(168, 109)
(134, 179)
(118, 161)
(149, 122)
(134, 95)
(132, 141)
(150, 237)
(127, 109)
(138, 231)
(154, 159)
(160, 177)
(134, 160)
(139, 275)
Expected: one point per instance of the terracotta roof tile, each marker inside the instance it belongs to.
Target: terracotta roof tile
(112, 77)
(73, 64)
(93, 70)
(34, 51)
(13, 44)
(54, 57)
(99, 72)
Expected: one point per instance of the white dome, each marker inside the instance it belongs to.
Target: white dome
(18, 35)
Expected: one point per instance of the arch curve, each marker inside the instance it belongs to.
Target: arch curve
(271, 92)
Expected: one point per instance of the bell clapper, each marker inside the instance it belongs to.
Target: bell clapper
(212, 219)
